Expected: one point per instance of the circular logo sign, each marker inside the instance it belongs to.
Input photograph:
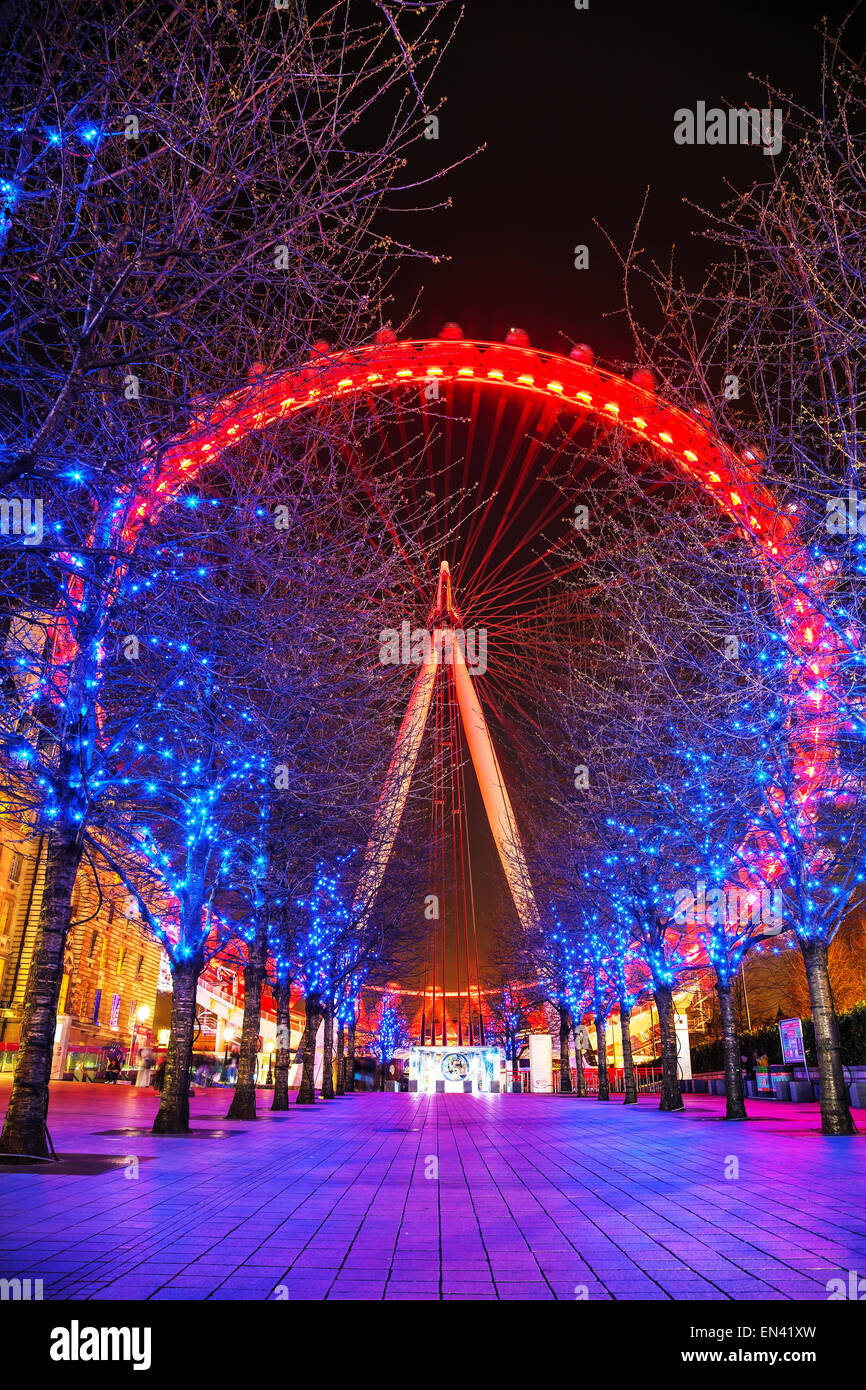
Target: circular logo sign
(455, 1067)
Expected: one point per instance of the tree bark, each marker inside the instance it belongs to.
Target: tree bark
(282, 999)
(836, 1115)
(627, 1055)
(735, 1105)
(601, 1051)
(313, 1012)
(243, 1106)
(564, 1052)
(301, 1047)
(341, 1058)
(350, 1057)
(172, 1117)
(328, 1054)
(671, 1097)
(24, 1128)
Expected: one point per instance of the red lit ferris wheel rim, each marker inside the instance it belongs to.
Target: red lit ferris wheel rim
(573, 386)
(570, 386)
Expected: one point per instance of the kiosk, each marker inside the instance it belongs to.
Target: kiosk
(472, 1069)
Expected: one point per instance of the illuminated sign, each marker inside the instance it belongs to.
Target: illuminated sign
(793, 1047)
(455, 1066)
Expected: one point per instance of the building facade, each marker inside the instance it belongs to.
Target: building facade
(115, 994)
(111, 968)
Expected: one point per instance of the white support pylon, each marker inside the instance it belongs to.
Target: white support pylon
(395, 790)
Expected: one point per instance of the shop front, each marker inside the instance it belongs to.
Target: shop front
(472, 1069)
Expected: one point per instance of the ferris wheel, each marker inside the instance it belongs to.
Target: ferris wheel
(491, 424)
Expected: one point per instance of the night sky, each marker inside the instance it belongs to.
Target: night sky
(576, 109)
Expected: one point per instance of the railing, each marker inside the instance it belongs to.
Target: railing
(647, 1079)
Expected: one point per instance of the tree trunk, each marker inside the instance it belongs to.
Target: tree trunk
(601, 1051)
(341, 1058)
(671, 1097)
(313, 1012)
(328, 1054)
(515, 1062)
(627, 1056)
(282, 999)
(301, 1047)
(172, 1116)
(735, 1105)
(24, 1128)
(350, 1057)
(835, 1107)
(581, 1074)
(564, 1052)
(243, 1106)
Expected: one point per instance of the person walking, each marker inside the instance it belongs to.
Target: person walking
(145, 1063)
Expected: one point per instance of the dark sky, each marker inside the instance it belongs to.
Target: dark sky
(577, 112)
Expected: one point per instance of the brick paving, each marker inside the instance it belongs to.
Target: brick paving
(444, 1197)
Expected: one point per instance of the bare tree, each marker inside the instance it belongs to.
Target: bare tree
(187, 195)
(772, 350)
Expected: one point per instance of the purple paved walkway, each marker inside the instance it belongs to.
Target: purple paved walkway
(536, 1197)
